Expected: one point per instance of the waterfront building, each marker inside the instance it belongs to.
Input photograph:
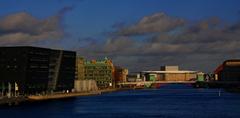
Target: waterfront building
(99, 70)
(120, 74)
(200, 77)
(36, 70)
(229, 70)
(135, 77)
(169, 73)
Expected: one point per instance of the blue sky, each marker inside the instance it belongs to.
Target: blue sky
(89, 23)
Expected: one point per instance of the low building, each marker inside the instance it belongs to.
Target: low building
(135, 77)
(229, 70)
(169, 73)
(34, 70)
(200, 77)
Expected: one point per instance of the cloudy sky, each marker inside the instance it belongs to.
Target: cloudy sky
(136, 34)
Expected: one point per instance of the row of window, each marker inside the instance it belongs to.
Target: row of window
(97, 71)
(103, 82)
(38, 53)
(38, 59)
(38, 66)
(97, 67)
(99, 79)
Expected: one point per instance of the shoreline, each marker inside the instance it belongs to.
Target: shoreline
(54, 96)
(58, 96)
(70, 95)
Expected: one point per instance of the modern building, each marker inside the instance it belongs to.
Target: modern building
(36, 70)
(99, 70)
(169, 73)
(229, 70)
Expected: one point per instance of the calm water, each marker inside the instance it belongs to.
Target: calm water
(171, 101)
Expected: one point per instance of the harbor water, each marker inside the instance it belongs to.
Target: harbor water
(169, 101)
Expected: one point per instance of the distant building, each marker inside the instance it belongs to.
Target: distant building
(169, 73)
(135, 77)
(120, 74)
(200, 77)
(169, 68)
(101, 71)
(34, 69)
(229, 70)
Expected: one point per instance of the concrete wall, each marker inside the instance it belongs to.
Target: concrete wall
(175, 77)
(85, 85)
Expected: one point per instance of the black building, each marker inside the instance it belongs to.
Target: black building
(229, 70)
(35, 70)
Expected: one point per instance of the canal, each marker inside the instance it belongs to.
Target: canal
(170, 101)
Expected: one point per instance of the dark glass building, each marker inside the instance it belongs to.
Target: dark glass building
(35, 70)
(229, 70)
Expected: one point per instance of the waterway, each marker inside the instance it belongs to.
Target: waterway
(170, 101)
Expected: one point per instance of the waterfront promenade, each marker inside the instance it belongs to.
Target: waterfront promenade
(19, 99)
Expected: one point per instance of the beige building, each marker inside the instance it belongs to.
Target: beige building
(170, 73)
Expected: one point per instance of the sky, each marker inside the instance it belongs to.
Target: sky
(135, 34)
